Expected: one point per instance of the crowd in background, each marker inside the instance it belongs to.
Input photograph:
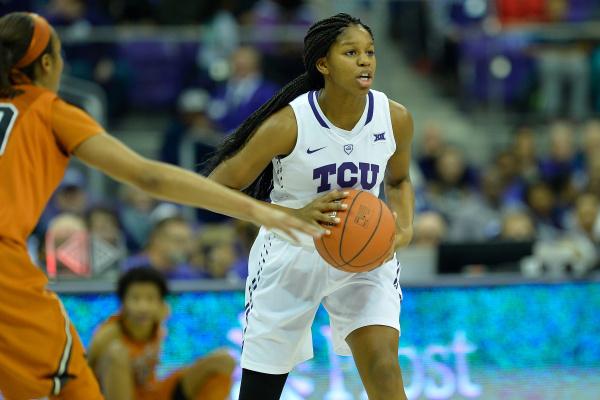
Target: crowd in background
(540, 57)
(544, 187)
(523, 194)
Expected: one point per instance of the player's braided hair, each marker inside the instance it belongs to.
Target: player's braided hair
(16, 30)
(317, 41)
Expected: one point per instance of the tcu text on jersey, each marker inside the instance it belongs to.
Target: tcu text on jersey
(348, 174)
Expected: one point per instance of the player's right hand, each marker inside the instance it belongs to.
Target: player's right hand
(322, 210)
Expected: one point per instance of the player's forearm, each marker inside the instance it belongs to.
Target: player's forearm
(401, 199)
(171, 183)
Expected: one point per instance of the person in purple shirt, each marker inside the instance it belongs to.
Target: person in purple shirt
(219, 253)
(168, 251)
(243, 93)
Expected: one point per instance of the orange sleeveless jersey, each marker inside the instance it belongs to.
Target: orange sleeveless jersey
(38, 132)
(143, 355)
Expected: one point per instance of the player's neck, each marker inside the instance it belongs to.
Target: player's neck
(342, 109)
(43, 84)
(136, 332)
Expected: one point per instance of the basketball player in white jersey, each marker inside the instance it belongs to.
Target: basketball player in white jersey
(324, 131)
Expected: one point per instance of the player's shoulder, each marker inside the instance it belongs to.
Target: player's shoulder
(402, 120)
(399, 112)
(282, 121)
(111, 329)
(108, 334)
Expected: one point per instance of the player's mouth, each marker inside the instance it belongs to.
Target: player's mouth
(365, 79)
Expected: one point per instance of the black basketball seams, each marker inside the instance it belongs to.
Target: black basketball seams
(327, 251)
(368, 240)
(375, 259)
(360, 192)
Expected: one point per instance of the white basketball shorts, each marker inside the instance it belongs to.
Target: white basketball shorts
(287, 283)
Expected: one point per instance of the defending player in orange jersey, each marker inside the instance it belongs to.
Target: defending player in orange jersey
(40, 352)
(125, 349)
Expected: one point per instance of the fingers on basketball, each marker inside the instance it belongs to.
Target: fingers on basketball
(363, 238)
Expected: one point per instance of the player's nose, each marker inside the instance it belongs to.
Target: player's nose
(363, 60)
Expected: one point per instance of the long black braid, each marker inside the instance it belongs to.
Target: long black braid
(317, 41)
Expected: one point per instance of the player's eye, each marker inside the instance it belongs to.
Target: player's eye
(351, 53)
(370, 52)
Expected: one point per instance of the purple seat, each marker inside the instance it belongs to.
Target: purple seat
(159, 72)
(580, 10)
(477, 80)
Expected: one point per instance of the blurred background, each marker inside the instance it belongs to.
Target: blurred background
(502, 278)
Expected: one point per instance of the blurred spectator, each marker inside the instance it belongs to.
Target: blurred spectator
(103, 223)
(560, 161)
(577, 251)
(283, 59)
(590, 146)
(592, 176)
(513, 185)
(192, 128)
(77, 14)
(219, 254)
(429, 229)
(479, 217)
(558, 168)
(586, 218)
(419, 187)
(246, 233)
(191, 138)
(94, 61)
(563, 63)
(432, 145)
(243, 93)
(221, 37)
(415, 24)
(135, 206)
(525, 151)
(517, 226)
(70, 197)
(168, 251)
(453, 179)
(541, 200)
(595, 83)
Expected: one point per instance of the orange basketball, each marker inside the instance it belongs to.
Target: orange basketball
(364, 236)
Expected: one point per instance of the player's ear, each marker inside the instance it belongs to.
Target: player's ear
(322, 66)
(46, 62)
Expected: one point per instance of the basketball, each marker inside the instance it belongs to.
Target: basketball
(364, 236)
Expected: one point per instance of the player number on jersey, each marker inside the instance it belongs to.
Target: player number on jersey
(8, 115)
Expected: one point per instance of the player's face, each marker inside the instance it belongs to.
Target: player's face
(143, 305)
(350, 62)
(176, 242)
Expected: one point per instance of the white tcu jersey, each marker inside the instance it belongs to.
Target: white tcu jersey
(326, 157)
